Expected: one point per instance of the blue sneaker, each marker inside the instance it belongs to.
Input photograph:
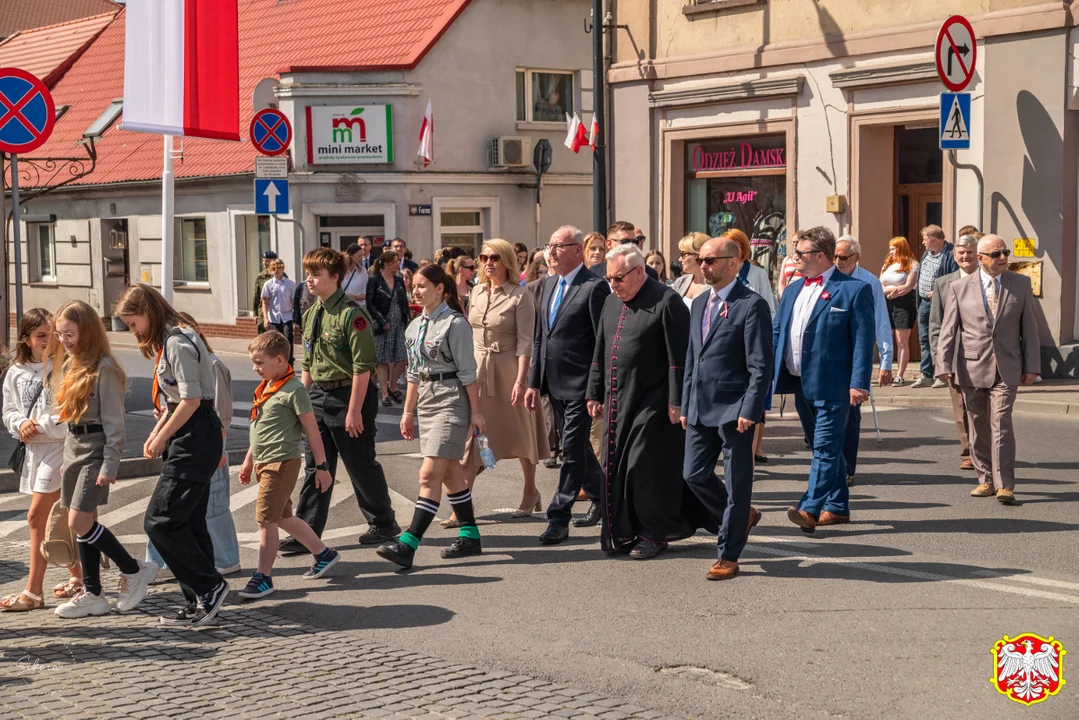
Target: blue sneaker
(258, 586)
(323, 562)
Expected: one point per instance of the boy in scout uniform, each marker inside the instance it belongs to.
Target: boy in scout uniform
(338, 369)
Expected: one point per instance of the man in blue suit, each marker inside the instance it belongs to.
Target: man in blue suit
(727, 378)
(823, 340)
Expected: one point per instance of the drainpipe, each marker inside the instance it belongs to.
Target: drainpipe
(981, 188)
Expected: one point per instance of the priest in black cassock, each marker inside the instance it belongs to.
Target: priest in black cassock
(636, 381)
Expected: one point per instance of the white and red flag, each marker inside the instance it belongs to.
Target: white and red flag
(593, 134)
(576, 135)
(182, 68)
(427, 136)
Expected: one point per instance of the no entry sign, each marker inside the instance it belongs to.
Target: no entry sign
(956, 53)
(27, 113)
(271, 132)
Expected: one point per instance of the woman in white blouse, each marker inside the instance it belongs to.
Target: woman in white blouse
(899, 278)
(691, 284)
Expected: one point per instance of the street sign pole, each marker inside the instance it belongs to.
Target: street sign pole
(168, 227)
(16, 236)
(599, 157)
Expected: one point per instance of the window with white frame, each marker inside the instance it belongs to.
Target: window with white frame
(190, 255)
(544, 95)
(42, 239)
(463, 228)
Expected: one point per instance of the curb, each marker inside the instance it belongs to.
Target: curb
(129, 468)
(1040, 407)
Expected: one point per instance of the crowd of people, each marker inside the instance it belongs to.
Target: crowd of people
(580, 355)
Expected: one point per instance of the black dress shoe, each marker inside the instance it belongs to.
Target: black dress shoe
(554, 534)
(462, 547)
(761, 459)
(397, 552)
(645, 549)
(590, 518)
(376, 535)
(291, 546)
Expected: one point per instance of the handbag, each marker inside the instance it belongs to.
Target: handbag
(18, 455)
(60, 546)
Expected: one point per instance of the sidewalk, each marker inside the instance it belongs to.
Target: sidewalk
(221, 346)
(1049, 397)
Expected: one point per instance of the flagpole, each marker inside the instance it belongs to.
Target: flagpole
(168, 227)
(599, 163)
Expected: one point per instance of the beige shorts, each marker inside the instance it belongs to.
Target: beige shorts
(276, 482)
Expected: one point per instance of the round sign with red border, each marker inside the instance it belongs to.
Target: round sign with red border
(956, 53)
(271, 132)
(27, 112)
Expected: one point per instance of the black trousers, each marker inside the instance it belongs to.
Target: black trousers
(728, 499)
(358, 455)
(580, 468)
(285, 328)
(175, 519)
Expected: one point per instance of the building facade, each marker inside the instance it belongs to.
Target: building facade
(775, 115)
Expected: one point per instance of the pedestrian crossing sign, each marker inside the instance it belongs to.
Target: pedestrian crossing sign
(955, 121)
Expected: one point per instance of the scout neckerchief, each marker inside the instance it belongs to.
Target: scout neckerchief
(155, 389)
(262, 397)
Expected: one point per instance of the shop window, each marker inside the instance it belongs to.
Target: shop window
(740, 183)
(190, 256)
(918, 156)
(544, 96)
(42, 237)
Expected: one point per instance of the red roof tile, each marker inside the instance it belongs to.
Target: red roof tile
(275, 35)
(27, 14)
(48, 52)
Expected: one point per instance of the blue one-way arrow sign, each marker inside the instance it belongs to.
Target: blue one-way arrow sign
(271, 197)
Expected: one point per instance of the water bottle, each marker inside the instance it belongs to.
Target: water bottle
(486, 455)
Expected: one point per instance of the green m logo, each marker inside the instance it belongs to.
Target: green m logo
(342, 127)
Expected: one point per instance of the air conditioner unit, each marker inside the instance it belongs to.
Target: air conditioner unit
(511, 151)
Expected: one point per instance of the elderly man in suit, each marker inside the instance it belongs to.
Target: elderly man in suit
(989, 345)
(727, 378)
(966, 256)
(823, 340)
(565, 339)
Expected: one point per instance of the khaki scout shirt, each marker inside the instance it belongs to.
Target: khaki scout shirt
(260, 280)
(345, 344)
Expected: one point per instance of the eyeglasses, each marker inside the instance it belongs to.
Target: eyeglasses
(615, 279)
(845, 258)
(709, 261)
(555, 247)
(490, 258)
(640, 239)
(803, 253)
(996, 254)
(66, 336)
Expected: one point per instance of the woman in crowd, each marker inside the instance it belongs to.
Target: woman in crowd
(29, 417)
(657, 262)
(521, 250)
(788, 271)
(387, 302)
(463, 271)
(443, 393)
(899, 278)
(595, 249)
(692, 283)
(537, 269)
(354, 283)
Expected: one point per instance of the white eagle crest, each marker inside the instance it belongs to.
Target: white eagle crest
(1028, 673)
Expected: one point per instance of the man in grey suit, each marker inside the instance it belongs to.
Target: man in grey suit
(966, 256)
(989, 345)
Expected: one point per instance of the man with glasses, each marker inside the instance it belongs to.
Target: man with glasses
(623, 233)
(823, 340)
(847, 254)
(989, 346)
(569, 311)
(937, 261)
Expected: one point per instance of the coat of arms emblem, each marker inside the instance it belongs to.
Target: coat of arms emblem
(1028, 668)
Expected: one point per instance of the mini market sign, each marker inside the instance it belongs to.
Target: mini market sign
(350, 134)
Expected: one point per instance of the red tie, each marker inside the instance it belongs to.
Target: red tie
(819, 280)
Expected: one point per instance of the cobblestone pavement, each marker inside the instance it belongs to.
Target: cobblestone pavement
(253, 664)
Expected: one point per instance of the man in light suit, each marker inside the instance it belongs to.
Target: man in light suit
(823, 340)
(966, 256)
(565, 338)
(727, 379)
(989, 345)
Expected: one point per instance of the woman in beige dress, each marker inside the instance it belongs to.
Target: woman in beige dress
(503, 315)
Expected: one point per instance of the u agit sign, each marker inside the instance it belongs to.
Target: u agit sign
(349, 134)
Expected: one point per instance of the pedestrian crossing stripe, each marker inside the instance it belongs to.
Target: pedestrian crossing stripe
(955, 121)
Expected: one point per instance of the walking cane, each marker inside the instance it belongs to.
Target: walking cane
(873, 404)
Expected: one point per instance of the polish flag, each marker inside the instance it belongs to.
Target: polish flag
(576, 135)
(593, 135)
(182, 68)
(427, 136)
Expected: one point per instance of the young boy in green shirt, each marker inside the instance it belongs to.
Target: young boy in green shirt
(280, 414)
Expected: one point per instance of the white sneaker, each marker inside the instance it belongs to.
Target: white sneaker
(133, 587)
(938, 383)
(922, 382)
(84, 604)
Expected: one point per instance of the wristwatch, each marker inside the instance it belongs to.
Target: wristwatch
(323, 466)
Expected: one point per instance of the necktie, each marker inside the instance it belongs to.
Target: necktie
(316, 325)
(991, 298)
(556, 302)
(819, 280)
(709, 314)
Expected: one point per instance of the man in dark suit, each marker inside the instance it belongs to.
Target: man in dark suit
(823, 340)
(565, 338)
(727, 378)
(622, 233)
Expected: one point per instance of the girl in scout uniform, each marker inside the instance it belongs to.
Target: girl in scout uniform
(89, 389)
(442, 390)
(188, 438)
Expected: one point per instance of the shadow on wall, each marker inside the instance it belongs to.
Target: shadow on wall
(833, 34)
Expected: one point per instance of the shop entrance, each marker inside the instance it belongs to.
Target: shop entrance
(919, 199)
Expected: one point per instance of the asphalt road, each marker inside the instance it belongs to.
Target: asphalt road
(893, 615)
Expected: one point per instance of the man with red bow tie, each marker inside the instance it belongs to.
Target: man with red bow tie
(823, 340)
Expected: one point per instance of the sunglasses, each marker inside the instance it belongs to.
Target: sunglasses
(845, 258)
(615, 279)
(468, 267)
(996, 254)
(803, 253)
(493, 258)
(709, 261)
(688, 254)
(640, 239)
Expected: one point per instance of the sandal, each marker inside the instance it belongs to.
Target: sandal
(67, 590)
(22, 602)
(450, 522)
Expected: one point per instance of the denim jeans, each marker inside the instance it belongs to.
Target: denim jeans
(218, 522)
(924, 306)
